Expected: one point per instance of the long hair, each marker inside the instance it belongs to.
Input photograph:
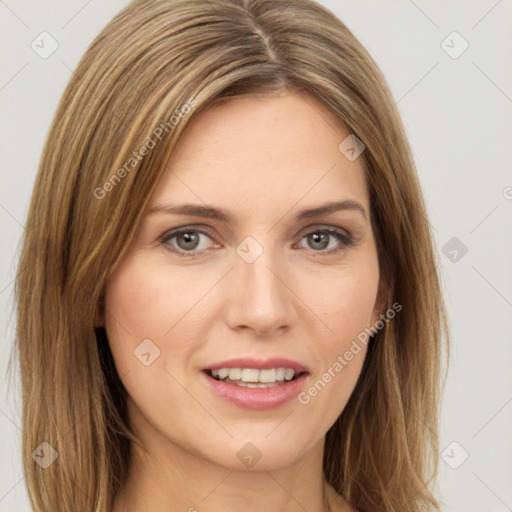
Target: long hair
(154, 68)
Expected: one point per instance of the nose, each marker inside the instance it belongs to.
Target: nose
(260, 298)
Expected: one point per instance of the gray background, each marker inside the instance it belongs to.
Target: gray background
(457, 111)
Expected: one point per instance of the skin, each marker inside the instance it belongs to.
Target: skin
(263, 159)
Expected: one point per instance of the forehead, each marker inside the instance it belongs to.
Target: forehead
(259, 153)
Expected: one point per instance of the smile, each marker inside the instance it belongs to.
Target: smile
(255, 389)
(254, 378)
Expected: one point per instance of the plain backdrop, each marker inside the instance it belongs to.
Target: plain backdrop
(449, 66)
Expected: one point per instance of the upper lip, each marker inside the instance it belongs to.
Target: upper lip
(258, 364)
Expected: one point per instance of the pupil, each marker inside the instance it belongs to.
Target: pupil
(189, 239)
(317, 238)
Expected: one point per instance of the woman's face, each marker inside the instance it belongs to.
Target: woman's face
(269, 285)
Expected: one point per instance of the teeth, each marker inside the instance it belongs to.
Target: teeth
(235, 373)
(288, 374)
(268, 375)
(249, 375)
(243, 384)
(254, 377)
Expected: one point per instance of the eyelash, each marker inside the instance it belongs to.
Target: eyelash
(341, 236)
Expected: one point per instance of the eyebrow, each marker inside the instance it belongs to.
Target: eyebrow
(228, 218)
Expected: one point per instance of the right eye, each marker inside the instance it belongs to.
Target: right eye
(187, 242)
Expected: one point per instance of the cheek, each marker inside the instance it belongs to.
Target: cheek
(353, 304)
(145, 300)
(346, 308)
(147, 303)
(344, 298)
(135, 310)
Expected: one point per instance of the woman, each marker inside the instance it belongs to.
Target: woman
(227, 294)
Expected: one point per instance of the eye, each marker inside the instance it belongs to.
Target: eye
(192, 242)
(185, 241)
(329, 238)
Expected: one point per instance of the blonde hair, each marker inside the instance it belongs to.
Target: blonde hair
(149, 63)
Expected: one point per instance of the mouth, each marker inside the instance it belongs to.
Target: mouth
(255, 378)
(257, 384)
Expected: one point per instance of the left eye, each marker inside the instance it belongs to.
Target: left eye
(187, 242)
(320, 240)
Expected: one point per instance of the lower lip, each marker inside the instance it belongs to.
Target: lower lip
(256, 398)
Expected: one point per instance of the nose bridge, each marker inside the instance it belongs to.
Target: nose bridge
(259, 298)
